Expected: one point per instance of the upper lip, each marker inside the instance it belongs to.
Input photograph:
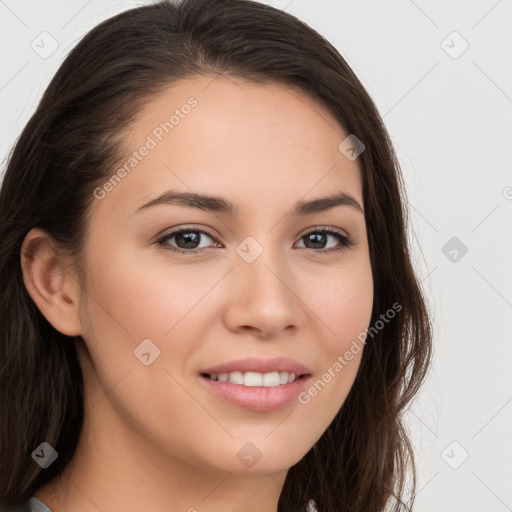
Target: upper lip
(252, 364)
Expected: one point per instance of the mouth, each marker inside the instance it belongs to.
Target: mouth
(256, 379)
(255, 391)
(255, 384)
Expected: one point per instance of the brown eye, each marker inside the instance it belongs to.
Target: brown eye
(187, 240)
(317, 239)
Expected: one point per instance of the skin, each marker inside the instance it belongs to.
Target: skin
(154, 438)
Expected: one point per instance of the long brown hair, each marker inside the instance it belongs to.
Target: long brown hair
(69, 146)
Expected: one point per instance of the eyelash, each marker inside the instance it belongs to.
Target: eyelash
(345, 241)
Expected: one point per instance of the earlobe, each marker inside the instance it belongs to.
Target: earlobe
(50, 282)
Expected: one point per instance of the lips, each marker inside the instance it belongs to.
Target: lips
(251, 364)
(261, 385)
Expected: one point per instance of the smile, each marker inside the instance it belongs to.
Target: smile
(253, 379)
(254, 391)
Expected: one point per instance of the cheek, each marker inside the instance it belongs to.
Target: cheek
(346, 313)
(344, 305)
(341, 299)
(350, 314)
(131, 302)
(146, 299)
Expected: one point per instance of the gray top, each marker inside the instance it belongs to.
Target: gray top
(36, 505)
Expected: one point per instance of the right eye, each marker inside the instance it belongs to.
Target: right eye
(187, 240)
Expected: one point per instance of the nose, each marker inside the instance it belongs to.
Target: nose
(264, 297)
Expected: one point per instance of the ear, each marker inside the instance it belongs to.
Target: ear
(50, 282)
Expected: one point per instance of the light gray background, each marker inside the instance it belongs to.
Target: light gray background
(450, 117)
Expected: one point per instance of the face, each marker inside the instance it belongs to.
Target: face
(181, 292)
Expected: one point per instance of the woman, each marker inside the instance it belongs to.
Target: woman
(208, 300)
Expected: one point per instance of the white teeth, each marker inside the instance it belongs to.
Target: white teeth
(236, 377)
(271, 380)
(255, 379)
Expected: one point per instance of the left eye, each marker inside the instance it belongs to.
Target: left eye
(319, 236)
(187, 240)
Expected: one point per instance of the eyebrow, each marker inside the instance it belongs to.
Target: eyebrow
(220, 205)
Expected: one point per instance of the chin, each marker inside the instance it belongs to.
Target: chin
(261, 456)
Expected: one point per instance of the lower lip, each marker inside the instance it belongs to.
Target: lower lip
(256, 398)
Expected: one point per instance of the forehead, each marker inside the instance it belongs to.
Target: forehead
(230, 137)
